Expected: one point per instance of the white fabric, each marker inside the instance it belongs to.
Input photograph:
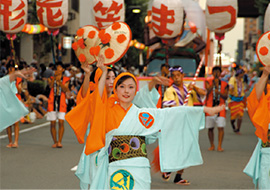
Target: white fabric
(53, 115)
(11, 108)
(212, 121)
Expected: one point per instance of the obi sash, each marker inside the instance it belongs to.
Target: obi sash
(127, 146)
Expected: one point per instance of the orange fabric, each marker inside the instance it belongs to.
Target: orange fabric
(79, 97)
(103, 114)
(80, 116)
(237, 109)
(209, 98)
(18, 81)
(92, 86)
(63, 105)
(259, 112)
(155, 163)
(110, 115)
(159, 104)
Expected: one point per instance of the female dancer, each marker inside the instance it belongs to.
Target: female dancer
(123, 128)
(16, 109)
(146, 97)
(258, 166)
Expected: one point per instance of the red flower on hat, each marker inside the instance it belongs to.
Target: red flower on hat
(116, 26)
(104, 37)
(121, 38)
(94, 50)
(81, 43)
(80, 32)
(91, 34)
(109, 53)
(82, 58)
(74, 46)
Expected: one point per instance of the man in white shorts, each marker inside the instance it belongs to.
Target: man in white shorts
(57, 106)
(217, 93)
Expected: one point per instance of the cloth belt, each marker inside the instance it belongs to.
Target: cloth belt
(267, 144)
(127, 146)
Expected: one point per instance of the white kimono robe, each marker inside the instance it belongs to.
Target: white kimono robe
(258, 167)
(87, 165)
(179, 126)
(11, 108)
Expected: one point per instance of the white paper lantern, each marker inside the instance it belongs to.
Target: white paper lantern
(266, 24)
(167, 18)
(13, 15)
(52, 13)
(195, 14)
(108, 12)
(221, 15)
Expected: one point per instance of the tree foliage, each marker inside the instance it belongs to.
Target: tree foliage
(261, 5)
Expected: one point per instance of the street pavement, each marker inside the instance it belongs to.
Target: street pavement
(35, 165)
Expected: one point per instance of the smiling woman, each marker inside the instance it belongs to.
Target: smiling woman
(121, 131)
(125, 89)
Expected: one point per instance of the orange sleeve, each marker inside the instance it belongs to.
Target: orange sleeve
(79, 97)
(79, 117)
(259, 114)
(96, 138)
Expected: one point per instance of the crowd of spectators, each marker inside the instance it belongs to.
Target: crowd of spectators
(35, 92)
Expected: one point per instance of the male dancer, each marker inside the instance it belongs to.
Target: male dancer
(175, 96)
(217, 93)
(57, 106)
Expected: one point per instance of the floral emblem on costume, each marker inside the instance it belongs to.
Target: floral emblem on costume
(146, 119)
(122, 179)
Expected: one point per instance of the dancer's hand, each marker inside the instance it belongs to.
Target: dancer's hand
(266, 70)
(161, 80)
(100, 63)
(86, 67)
(25, 73)
(158, 80)
(214, 110)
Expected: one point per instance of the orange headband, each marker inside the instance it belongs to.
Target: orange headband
(119, 77)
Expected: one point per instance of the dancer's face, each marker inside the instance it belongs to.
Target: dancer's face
(216, 73)
(177, 77)
(126, 91)
(109, 81)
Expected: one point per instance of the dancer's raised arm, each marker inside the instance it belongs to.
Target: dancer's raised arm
(262, 82)
(86, 67)
(101, 83)
(25, 73)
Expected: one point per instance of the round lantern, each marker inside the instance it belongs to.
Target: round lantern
(108, 12)
(167, 18)
(195, 16)
(52, 13)
(13, 16)
(221, 15)
(266, 24)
